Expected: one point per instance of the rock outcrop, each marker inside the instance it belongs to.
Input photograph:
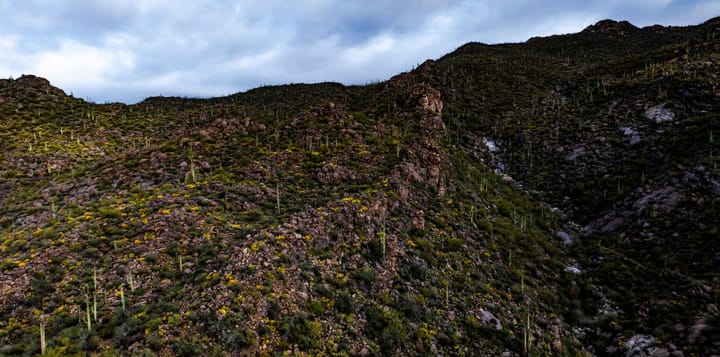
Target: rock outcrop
(617, 28)
(426, 161)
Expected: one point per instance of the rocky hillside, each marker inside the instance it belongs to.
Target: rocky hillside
(556, 197)
(617, 126)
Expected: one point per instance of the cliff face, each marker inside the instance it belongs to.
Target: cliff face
(555, 197)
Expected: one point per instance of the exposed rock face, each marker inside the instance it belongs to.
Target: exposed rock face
(418, 220)
(663, 200)
(566, 237)
(333, 173)
(426, 158)
(659, 113)
(426, 67)
(430, 100)
(618, 28)
(638, 343)
(329, 112)
(716, 188)
(28, 85)
(632, 134)
(607, 223)
(578, 151)
(488, 318)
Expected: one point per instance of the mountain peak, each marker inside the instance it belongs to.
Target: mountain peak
(26, 84)
(620, 28)
(715, 21)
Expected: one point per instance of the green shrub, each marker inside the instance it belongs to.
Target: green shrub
(186, 348)
(254, 216)
(110, 212)
(454, 244)
(366, 275)
(10, 174)
(386, 327)
(18, 245)
(316, 307)
(344, 304)
(298, 329)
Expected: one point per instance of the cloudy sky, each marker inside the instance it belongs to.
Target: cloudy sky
(126, 50)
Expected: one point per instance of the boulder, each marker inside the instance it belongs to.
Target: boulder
(664, 200)
(488, 318)
(566, 237)
(577, 152)
(659, 113)
(715, 188)
(634, 135)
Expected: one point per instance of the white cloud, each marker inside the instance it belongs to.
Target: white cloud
(127, 50)
(561, 24)
(254, 61)
(7, 42)
(81, 68)
(366, 52)
(702, 10)
(643, 3)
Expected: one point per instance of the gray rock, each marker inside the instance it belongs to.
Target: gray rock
(664, 200)
(715, 188)
(638, 343)
(696, 329)
(10, 349)
(659, 352)
(669, 202)
(566, 237)
(574, 269)
(488, 318)
(634, 135)
(689, 178)
(612, 225)
(491, 144)
(659, 113)
(577, 152)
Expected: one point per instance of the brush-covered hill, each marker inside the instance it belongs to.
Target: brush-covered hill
(556, 197)
(310, 219)
(617, 126)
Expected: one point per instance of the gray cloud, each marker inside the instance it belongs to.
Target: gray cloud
(125, 50)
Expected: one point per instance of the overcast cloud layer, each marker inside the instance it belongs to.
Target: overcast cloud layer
(126, 50)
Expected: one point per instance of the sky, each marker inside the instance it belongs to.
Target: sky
(127, 50)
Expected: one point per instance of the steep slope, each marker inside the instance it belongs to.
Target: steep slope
(617, 126)
(303, 218)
